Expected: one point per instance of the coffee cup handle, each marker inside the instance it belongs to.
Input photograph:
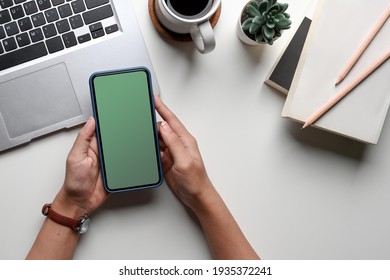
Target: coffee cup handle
(203, 37)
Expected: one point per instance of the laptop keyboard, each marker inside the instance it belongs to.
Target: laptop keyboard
(30, 29)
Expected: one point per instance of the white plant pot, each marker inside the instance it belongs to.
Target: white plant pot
(243, 37)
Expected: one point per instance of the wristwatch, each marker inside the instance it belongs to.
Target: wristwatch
(80, 226)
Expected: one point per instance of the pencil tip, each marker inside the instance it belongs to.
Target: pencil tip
(305, 125)
(339, 80)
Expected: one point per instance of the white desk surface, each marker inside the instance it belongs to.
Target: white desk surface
(296, 194)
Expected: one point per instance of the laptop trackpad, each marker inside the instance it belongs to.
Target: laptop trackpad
(28, 104)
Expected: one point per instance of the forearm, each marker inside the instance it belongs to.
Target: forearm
(223, 235)
(54, 241)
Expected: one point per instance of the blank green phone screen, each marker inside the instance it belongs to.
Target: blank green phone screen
(127, 131)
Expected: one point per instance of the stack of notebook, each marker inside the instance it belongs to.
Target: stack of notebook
(310, 65)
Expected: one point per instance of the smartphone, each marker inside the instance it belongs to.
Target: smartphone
(126, 132)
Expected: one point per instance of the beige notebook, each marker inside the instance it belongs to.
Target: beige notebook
(338, 28)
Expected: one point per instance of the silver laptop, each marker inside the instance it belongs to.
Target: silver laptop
(48, 50)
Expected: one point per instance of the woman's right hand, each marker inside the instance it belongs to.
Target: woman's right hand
(183, 166)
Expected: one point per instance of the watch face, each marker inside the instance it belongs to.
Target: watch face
(83, 226)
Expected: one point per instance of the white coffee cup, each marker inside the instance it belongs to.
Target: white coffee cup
(189, 17)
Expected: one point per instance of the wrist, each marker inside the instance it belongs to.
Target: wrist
(77, 225)
(63, 204)
(206, 200)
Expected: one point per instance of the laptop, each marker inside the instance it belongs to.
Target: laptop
(48, 50)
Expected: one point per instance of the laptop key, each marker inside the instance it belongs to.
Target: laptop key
(22, 55)
(112, 28)
(23, 40)
(95, 26)
(11, 28)
(6, 3)
(51, 15)
(25, 24)
(95, 3)
(9, 44)
(38, 19)
(98, 14)
(57, 2)
(84, 38)
(30, 7)
(65, 10)
(36, 35)
(44, 4)
(97, 33)
(5, 16)
(76, 21)
(2, 33)
(78, 6)
(54, 44)
(49, 30)
(69, 39)
(17, 12)
(63, 26)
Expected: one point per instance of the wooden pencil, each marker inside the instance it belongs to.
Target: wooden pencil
(347, 89)
(363, 46)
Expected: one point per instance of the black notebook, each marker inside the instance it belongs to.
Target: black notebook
(282, 74)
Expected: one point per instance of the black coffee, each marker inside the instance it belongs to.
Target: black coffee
(189, 8)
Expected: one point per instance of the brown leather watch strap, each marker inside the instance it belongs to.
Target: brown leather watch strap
(49, 212)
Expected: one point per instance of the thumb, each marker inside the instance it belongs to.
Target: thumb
(84, 137)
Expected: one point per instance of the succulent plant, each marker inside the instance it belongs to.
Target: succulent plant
(264, 20)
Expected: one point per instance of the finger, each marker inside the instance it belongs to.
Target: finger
(94, 148)
(82, 142)
(166, 160)
(170, 117)
(173, 143)
(162, 144)
(176, 125)
(160, 140)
